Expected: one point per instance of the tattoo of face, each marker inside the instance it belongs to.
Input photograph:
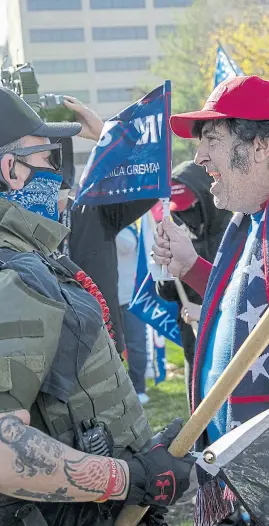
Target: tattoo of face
(92, 474)
(34, 450)
(58, 496)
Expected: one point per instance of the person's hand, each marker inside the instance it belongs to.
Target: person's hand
(191, 312)
(156, 477)
(92, 125)
(173, 248)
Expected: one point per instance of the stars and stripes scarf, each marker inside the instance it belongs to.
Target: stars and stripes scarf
(252, 394)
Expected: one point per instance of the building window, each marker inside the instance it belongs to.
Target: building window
(43, 67)
(81, 157)
(57, 35)
(117, 4)
(122, 64)
(172, 3)
(82, 95)
(53, 5)
(165, 31)
(120, 33)
(115, 95)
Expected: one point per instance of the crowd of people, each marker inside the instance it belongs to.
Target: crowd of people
(75, 443)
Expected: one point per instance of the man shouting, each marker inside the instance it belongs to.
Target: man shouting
(233, 130)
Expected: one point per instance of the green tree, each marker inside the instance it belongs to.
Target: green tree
(247, 42)
(189, 54)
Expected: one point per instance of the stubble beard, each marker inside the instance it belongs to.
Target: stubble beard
(239, 159)
(240, 162)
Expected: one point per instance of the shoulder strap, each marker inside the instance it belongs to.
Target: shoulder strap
(6, 254)
(55, 265)
(62, 265)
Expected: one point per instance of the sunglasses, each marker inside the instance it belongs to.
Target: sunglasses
(55, 158)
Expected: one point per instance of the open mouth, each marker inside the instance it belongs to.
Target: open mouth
(215, 175)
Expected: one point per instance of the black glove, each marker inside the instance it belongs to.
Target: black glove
(156, 477)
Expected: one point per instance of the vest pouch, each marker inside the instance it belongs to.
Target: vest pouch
(30, 329)
(80, 513)
(60, 514)
(21, 513)
(113, 396)
(104, 392)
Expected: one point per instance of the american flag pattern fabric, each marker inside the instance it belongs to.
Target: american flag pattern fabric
(226, 68)
(252, 394)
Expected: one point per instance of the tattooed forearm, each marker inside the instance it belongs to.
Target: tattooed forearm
(35, 452)
(34, 466)
(97, 475)
(122, 485)
(60, 495)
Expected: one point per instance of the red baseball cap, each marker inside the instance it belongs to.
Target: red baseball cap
(237, 98)
(182, 198)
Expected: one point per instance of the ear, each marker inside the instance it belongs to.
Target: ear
(8, 170)
(261, 149)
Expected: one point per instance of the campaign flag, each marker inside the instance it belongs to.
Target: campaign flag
(146, 304)
(132, 159)
(225, 67)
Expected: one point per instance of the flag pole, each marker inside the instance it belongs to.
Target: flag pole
(246, 356)
(179, 287)
(165, 275)
(185, 302)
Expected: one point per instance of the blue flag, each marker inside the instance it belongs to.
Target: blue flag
(146, 304)
(225, 67)
(132, 159)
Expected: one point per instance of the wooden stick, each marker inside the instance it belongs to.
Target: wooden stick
(166, 213)
(180, 289)
(250, 350)
(185, 301)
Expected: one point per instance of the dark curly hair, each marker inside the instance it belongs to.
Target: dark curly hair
(244, 129)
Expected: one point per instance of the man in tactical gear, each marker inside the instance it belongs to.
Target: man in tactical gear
(89, 446)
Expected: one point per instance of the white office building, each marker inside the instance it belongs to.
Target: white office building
(96, 50)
